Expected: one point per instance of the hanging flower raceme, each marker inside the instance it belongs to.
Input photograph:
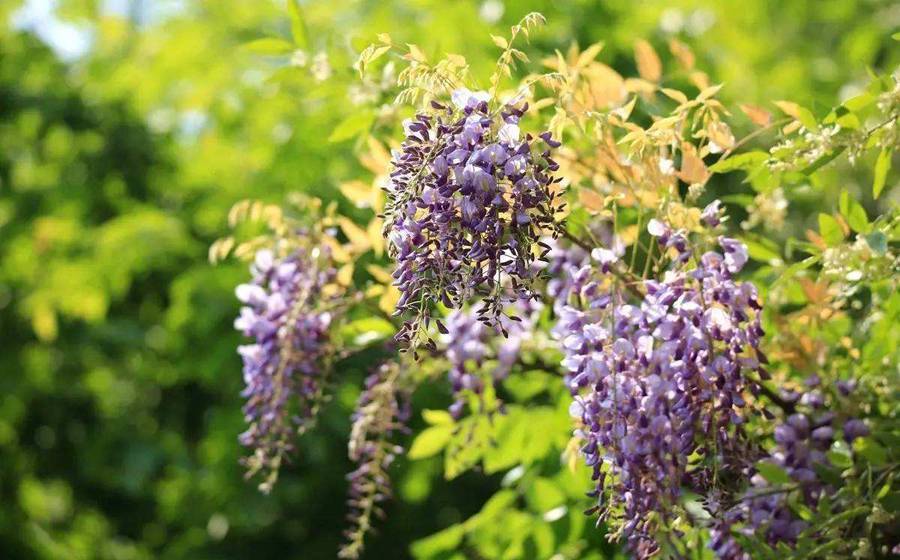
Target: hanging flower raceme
(469, 198)
(382, 410)
(287, 314)
(469, 344)
(659, 383)
(802, 442)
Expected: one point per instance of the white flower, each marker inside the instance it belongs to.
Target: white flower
(460, 97)
(481, 96)
(321, 68)
(491, 11)
(656, 228)
(509, 133)
(264, 260)
(407, 123)
(299, 58)
(718, 318)
(604, 256)
(666, 166)
(250, 294)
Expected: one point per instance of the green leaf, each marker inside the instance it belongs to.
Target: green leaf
(856, 217)
(772, 473)
(871, 450)
(860, 101)
(840, 460)
(844, 202)
(432, 546)
(761, 250)
(543, 495)
(823, 161)
(367, 330)
(298, 25)
(437, 417)
(882, 166)
(269, 46)
(745, 161)
(430, 442)
(830, 230)
(792, 270)
(741, 199)
(353, 125)
(528, 384)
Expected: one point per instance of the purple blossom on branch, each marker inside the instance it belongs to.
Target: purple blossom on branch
(468, 200)
(383, 409)
(802, 441)
(470, 343)
(283, 312)
(658, 384)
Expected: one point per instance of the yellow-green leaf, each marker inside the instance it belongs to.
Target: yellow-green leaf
(355, 124)
(357, 235)
(882, 166)
(500, 41)
(430, 442)
(269, 46)
(830, 230)
(437, 417)
(802, 114)
(298, 25)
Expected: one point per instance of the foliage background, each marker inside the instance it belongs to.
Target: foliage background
(119, 393)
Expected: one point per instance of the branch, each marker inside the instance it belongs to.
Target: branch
(628, 279)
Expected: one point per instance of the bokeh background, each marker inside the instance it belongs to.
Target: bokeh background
(127, 130)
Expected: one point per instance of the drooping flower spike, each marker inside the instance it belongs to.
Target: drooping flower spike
(659, 385)
(470, 196)
(288, 315)
(469, 343)
(382, 411)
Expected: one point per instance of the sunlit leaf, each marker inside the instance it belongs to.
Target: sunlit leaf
(802, 114)
(648, 63)
(830, 230)
(757, 115)
(882, 166)
(298, 25)
(353, 125)
(269, 46)
(682, 53)
(430, 442)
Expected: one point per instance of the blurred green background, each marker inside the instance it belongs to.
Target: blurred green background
(127, 130)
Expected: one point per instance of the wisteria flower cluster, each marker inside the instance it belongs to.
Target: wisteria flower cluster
(469, 343)
(286, 313)
(659, 384)
(470, 196)
(383, 409)
(802, 441)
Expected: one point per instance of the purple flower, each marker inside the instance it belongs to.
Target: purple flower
(468, 200)
(735, 254)
(282, 373)
(855, 428)
(711, 214)
(800, 451)
(383, 409)
(469, 343)
(657, 380)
